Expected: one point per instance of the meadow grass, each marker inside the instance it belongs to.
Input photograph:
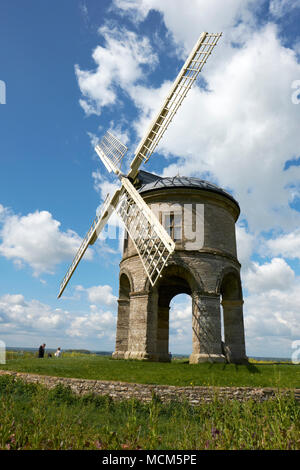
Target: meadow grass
(33, 417)
(178, 372)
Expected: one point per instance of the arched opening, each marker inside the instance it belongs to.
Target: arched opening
(180, 325)
(169, 287)
(123, 316)
(232, 317)
(230, 290)
(124, 288)
(231, 287)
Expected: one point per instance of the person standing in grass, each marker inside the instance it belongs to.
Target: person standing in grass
(57, 353)
(42, 350)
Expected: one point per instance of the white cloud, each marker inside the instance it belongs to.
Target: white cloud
(287, 245)
(279, 8)
(16, 313)
(276, 275)
(36, 239)
(119, 64)
(186, 20)
(245, 245)
(30, 322)
(3, 212)
(271, 310)
(99, 294)
(103, 186)
(272, 320)
(96, 324)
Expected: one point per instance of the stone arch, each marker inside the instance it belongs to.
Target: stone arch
(127, 273)
(228, 272)
(177, 279)
(125, 288)
(179, 268)
(230, 289)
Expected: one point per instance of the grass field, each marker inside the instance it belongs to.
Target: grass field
(33, 417)
(178, 372)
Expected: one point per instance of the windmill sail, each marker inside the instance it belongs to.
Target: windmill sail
(151, 240)
(99, 222)
(111, 151)
(178, 92)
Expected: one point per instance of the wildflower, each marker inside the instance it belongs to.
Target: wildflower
(98, 444)
(214, 432)
(125, 446)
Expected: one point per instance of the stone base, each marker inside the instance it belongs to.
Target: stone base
(198, 358)
(142, 356)
(118, 355)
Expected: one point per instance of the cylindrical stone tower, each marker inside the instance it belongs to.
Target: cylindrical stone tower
(200, 217)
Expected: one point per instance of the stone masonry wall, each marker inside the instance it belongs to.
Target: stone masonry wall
(122, 390)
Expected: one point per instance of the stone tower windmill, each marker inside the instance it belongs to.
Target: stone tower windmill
(181, 240)
(201, 218)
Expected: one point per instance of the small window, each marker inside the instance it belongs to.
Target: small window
(173, 225)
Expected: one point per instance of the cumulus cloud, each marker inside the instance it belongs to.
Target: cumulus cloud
(271, 310)
(103, 185)
(245, 245)
(99, 294)
(33, 321)
(279, 8)
(119, 64)
(17, 313)
(272, 320)
(36, 239)
(3, 212)
(287, 245)
(95, 324)
(274, 275)
(186, 21)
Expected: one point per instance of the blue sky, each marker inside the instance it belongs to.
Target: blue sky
(72, 70)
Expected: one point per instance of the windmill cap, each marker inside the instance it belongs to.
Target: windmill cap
(150, 182)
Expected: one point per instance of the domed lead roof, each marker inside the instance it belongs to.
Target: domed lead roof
(151, 182)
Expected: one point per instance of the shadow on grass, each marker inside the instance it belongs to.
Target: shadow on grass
(250, 367)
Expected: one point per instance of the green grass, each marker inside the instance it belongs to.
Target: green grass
(178, 372)
(33, 417)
